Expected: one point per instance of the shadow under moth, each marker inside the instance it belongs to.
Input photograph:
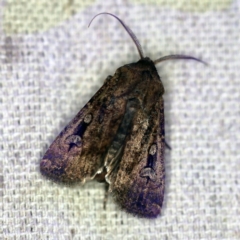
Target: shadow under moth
(118, 137)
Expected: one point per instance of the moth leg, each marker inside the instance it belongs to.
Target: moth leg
(100, 177)
(105, 195)
(167, 146)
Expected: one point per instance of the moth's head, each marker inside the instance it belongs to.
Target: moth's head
(146, 63)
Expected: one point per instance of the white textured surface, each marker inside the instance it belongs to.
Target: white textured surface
(46, 77)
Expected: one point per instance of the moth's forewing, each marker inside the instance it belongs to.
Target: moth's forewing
(78, 152)
(134, 162)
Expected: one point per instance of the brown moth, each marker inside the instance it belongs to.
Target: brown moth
(118, 136)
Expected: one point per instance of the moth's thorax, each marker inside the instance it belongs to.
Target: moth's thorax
(142, 76)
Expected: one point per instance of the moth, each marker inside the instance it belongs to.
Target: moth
(118, 137)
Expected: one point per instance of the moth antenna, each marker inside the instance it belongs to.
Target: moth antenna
(129, 31)
(174, 57)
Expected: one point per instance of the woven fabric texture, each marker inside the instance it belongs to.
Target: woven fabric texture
(52, 63)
